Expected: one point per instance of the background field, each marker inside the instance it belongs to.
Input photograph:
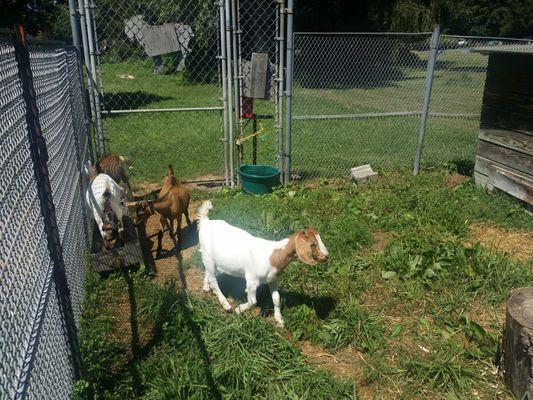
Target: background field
(321, 148)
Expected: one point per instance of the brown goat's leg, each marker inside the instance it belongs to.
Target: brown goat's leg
(159, 244)
(178, 231)
(171, 230)
(187, 218)
(129, 193)
(164, 225)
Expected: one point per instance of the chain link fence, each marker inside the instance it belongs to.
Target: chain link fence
(35, 357)
(260, 29)
(358, 97)
(158, 66)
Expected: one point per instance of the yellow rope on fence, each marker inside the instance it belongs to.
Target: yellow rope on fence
(241, 140)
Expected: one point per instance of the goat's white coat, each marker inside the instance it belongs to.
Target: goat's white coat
(233, 251)
(96, 201)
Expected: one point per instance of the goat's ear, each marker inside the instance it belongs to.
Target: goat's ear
(170, 170)
(303, 249)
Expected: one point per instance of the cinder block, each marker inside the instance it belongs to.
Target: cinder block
(363, 173)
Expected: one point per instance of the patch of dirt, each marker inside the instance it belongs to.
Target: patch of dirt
(208, 183)
(127, 329)
(380, 240)
(345, 363)
(452, 180)
(517, 244)
(144, 189)
(490, 318)
(348, 363)
(169, 266)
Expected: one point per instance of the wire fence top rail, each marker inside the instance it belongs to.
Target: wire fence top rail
(360, 33)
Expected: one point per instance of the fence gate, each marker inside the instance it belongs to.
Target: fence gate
(158, 85)
(170, 84)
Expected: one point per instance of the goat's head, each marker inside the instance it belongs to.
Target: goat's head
(309, 247)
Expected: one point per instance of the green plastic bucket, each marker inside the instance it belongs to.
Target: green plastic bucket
(258, 179)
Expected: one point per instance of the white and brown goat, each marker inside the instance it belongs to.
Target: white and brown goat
(103, 199)
(233, 251)
(114, 165)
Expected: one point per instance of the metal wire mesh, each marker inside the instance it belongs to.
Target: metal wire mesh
(259, 30)
(34, 357)
(57, 85)
(358, 99)
(139, 71)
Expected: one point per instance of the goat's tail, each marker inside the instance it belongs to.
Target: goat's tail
(203, 211)
(125, 160)
(170, 170)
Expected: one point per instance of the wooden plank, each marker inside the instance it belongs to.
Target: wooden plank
(485, 167)
(511, 183)
(493, 117)
(258, 76)
(124, 256)
(160, 39)
(492, 175)
(510, 72)
(507, 157)
(507, 100)
(480, 179)
(510, 139)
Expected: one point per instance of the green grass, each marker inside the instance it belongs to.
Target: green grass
(321, 148)
(425, 314)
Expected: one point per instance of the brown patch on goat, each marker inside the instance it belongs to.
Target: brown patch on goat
(114, 165)
(280, 258)
(304, 245)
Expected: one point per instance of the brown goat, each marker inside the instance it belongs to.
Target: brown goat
(172, 203)
(114, 165)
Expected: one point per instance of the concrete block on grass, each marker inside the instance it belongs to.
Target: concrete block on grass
(363, 174)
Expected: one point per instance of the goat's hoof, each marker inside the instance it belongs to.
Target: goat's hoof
(280, 324)
(206, 289)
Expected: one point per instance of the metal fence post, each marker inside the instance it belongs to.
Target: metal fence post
(433, 49)
(288, 93)
(237, 93)
(93, 76)
(225, 112)
(280, 82)
(74, 24)
(89, 93)
(231, 124)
